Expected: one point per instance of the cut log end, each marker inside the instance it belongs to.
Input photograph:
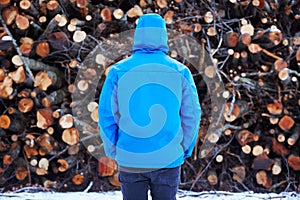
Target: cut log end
(50, 184)
(2, 74)
(257, 150)
(210, 71)
(46, 102)
(276, 169)
(70, 136)
(4, 121)
(247, 149)
(263, 179)
(286, 123)
(106, 166)
(21, 173)
(66, 121)
(212, 137)
(232, 39)
(52, 5)
(106, 14)
(294, 162)
(26, 48)
(7, 159)
(9, 14)
(294, 137)
(281, 138)
(162, 3)
(280, 65)
(4, 2)
(44, 164)
(78, 179)
(284, 76)
(46, 142)
(118, 13)
(275, 108)
(91, 148)
(219, 158)
(212, 177)
(94, 116)
(244, 137)
(79, 36)
(74, 149)
(22, 22)
(235, 112)
(41, 171)
(44, 118)
(211, 31)
(50, 130)
(25, 105)
(6, 87)
(64, 165)
(43, 49)
(247, 29)
(246, 39)
(30, 151)
(239, 173)
(197, 27)
(18, 76)
(82, 85)
(208, 17)
(114, 180)
(279, 148)
(168, 17)
(274, 120)
(42, 81)
(135, 11)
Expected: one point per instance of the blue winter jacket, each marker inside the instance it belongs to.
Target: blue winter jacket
(149, 111)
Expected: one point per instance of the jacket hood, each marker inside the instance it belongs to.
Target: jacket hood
(150, 34)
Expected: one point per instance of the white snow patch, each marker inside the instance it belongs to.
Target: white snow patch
(116, 195)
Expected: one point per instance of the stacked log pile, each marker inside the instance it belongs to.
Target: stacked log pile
(45, 46)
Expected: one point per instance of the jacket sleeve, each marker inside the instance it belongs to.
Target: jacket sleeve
(108, 114)
(190, 113)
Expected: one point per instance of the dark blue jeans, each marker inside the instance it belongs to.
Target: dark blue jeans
(163, 184)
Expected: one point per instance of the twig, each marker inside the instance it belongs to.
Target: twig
(224, 60)
(31, 189)
(226, 76)
(225, 194)
(58, 154)
(288, 174)
(271, 54)
(232, 104)
(234, 155)
(278, 185)
(191, 166)
(88, 187)
(16, 47)
(294, 72)
(218, 47)
(28, 169)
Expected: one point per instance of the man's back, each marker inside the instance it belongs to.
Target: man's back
(149, 104)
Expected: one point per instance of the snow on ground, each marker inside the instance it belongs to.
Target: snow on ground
(182, 195)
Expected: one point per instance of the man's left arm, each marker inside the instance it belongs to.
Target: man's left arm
(107, 111)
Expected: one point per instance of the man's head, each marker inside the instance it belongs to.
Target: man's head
(151, 34)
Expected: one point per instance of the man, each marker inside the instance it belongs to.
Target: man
(149, 115)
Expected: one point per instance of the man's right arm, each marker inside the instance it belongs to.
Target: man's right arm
(190, 114)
